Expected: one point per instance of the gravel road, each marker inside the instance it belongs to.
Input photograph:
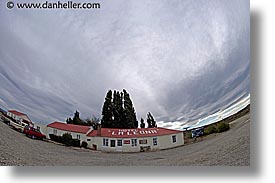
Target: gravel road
(231, 148)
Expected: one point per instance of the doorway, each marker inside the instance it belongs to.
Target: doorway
(113, 143)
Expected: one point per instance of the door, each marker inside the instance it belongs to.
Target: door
(113, 143)
(95, 147)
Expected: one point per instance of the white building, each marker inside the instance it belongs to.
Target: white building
(19, 116)
(134, 140)
(120, 140)
(20, 120)
(59, 128)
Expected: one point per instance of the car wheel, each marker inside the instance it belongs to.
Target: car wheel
(32, 136)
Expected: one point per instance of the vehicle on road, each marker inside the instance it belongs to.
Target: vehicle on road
(197, 132)
(34, 133)
(17, 125)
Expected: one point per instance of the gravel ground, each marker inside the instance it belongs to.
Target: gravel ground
(231, 148)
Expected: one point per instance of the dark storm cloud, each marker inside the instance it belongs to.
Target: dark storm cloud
(181, 60)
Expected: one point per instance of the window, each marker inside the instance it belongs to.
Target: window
(105, 142)
(54, 131)
(174, 138)
(155, 141)
(119, 142)
(78, 137)
(113, 143)
(134, 142)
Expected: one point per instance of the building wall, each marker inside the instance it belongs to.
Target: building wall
(166, 141)
(163, 142)
(19, 118)
(61, 132)
(13, 116)
(127, 144)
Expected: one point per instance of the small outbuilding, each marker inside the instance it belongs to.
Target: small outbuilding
(77, 131)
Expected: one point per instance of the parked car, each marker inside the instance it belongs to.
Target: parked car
(197, 132)
(17, 125)
(33, 133)
(5, 120)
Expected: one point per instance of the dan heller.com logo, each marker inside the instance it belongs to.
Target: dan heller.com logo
(53, 5)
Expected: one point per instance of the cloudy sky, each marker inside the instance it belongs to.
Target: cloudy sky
(180, 59)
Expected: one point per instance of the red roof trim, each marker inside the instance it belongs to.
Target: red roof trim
(69, 127)
(133, 133)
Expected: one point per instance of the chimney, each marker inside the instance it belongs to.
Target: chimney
(99, 130)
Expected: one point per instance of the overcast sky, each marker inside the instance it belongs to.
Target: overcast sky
(179, 59)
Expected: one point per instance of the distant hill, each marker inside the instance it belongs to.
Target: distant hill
(239, 114)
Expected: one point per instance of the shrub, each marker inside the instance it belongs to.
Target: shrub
(59, 139)
(210, 129)
(222, 127)
(67, 139)
(51, 136)
(84, 144)
(75, 143)
(55, 138)
(189, 135)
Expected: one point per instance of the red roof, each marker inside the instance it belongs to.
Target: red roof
(17, 113)
(69, 127)
(130, 133)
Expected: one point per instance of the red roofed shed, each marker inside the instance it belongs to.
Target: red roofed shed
(17, 113)
(69, 127)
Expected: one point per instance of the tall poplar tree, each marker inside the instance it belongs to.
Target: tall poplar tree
(107, 111)
(142, 124)
(118, 111)
(115, 110)
(129, 112)
(151, 121)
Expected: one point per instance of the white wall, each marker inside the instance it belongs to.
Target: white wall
(163, 142)
(13, 115)
(19, 118)
(50, 130)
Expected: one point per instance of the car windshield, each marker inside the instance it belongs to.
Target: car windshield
(37, 130)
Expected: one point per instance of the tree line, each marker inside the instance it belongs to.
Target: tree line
(117, 112)
(94, 121)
